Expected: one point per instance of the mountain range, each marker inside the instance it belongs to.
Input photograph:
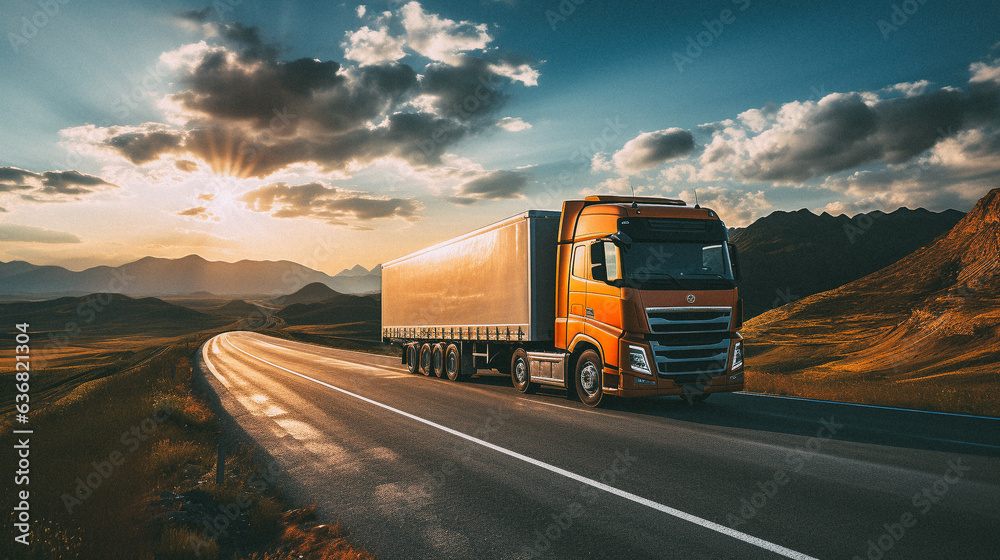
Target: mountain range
(933, 313)
(191, 274)
(786, 256)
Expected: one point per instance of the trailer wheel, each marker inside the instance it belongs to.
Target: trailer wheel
(588, 378)
(412, 358)
(520, 372)
(453, 363)
(437, 360)
(425, 359)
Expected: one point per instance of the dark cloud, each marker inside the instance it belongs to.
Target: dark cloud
(196, 16)
(199, 212)
(70, 182)
(250, 113)
(14, 175)
(496, 185)
(653, 148)
(468, 91)
(50, 186)
(249, 41)
(186, 165)
(143, 147)
(335, 206)
(196, 211)
(844, 132)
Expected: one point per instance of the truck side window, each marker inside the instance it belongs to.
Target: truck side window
(580, 262)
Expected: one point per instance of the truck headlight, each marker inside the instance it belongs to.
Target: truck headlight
(637, 360)
(737, 355)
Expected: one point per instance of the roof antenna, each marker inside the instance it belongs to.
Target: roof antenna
(634, 205)
(696, 205)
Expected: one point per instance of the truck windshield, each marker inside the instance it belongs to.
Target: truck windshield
(685, 264)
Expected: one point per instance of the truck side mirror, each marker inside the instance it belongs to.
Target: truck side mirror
(734, 261)
(604, 261)
(598, 268)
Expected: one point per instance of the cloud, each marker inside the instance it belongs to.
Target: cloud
(429, 35)
(496, 185)
(50, 186)
(199, 212)
(736, 208)
(196, 16)
(241, 109)
(333, 205)
(31, 234)
(373, 46)
(441, 39)
(513, 124)
(653, 148)
(801, 140)
(908, 144)
(142, 145)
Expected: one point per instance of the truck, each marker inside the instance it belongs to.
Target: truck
(612, 296)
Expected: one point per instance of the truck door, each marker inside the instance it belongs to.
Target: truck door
(579, 272)
(604, 307)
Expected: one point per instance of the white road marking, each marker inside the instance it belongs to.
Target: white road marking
(739, 535)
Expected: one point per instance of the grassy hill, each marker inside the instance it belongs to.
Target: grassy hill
(923, 332)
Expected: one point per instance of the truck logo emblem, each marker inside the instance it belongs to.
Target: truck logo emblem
(690, 298)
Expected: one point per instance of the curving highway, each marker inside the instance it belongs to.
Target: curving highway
(421, 467)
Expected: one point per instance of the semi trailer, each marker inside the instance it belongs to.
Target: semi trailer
(621, 296)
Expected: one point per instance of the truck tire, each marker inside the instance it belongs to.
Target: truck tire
(425, 359)
(437, 359)
(412, 358)
(453, 363)
(589, 378)
(520, 372)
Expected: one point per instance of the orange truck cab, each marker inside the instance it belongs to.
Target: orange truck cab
(620, 296)
(648, 284)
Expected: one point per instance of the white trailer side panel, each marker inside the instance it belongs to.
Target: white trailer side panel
(497, 282)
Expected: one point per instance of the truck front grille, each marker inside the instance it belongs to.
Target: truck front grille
(689, 343)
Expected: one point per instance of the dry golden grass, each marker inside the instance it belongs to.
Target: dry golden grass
(88, 420)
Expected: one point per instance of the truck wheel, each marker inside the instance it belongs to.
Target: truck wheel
(425, 359)
(588, 378)
(453, 363)
(412, 358)
(520, 372)
(437, 360)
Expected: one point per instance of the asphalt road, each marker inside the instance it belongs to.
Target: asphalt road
(421, 467)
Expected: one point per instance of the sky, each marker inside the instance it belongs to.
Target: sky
(335, 134)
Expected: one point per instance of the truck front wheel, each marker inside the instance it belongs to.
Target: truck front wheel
(520, 373)
(588, 378)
